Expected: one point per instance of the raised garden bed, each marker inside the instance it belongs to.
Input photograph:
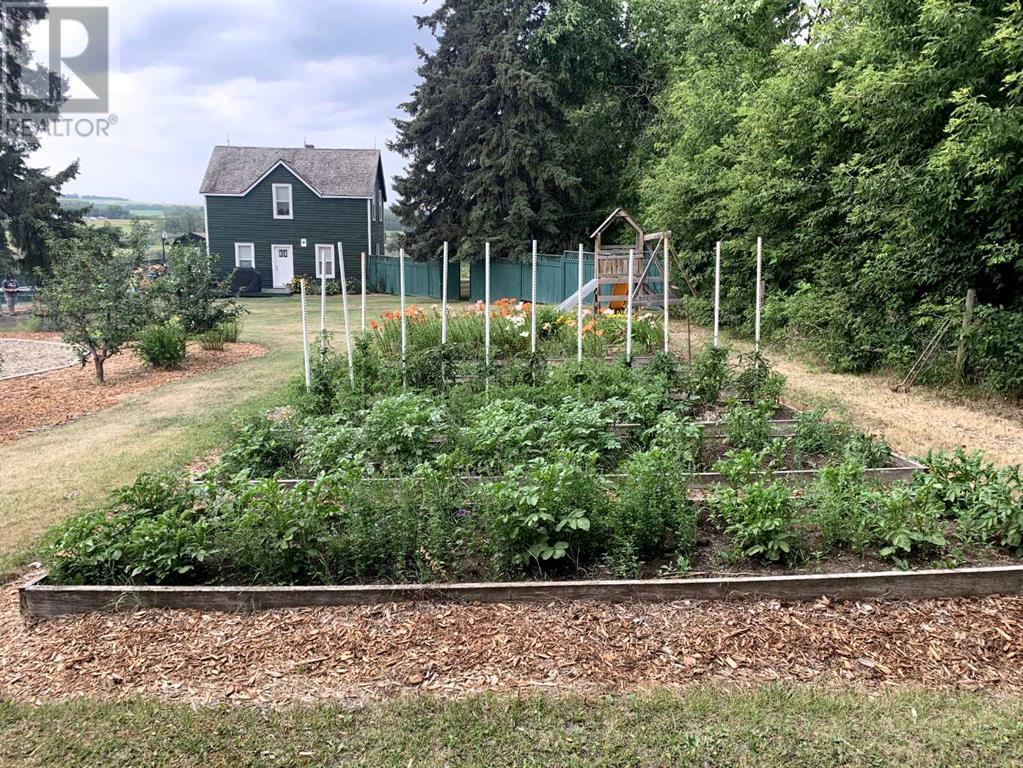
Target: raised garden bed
(40, 600)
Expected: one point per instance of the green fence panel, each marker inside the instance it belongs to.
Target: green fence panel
(422, 278)
(556, 277)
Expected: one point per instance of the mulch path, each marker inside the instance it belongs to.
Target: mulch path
(32, 403)
(360, 654)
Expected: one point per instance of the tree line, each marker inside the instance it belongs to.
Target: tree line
(874, 144)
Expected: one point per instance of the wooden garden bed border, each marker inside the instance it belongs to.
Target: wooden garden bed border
(40, 600)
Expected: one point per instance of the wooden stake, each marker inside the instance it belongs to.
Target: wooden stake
(323, 312)
(971, 301)
(579, 311)
(486, 309)
(717, 292)
(305, 337)
(532, 305)
(344, 308)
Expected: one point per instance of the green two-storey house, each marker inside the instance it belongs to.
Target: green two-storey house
(279, 212)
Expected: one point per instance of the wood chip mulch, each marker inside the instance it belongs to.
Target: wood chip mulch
(356, 655)
(34, 403)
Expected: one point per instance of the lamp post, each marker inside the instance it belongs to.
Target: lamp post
(163, 246)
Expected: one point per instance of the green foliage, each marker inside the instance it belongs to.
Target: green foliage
(748, 426)
(760, 519)
(995, 353)
(815, 436)
(193, 291)
(709, 374)
(261, 448)
(544, 511)
(500, 434)
(757, 382)
(162, 346)
(97, 292)
(397, 429)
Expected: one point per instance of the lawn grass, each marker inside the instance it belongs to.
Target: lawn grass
(48, 476)
(773, 726)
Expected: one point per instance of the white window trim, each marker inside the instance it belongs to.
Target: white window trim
(319, 261)
(291, 201)
(252, 249)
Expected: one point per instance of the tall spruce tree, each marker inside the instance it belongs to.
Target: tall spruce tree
(485, 136)
(29, 204)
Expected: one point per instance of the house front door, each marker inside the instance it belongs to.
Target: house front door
(284, 264)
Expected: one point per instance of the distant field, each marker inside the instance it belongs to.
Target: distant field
(116, 223)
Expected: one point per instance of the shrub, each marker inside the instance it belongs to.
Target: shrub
(397, 430)
(709, 374)
(194, 290)
(261, 448)
(652, 514)
(162, 346)
(996, 350)
(760, 518)
(748, 426)
(757, 381)
(543, 512)
(213, 339)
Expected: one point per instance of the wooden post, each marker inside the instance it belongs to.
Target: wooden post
(579, 310)
(971, 301)
(404, 320)
(759, 294)
(717, 292)
(444, 297)
(628, 310)
(532, 305)
(344, 308)
(667, 287)
(305, 337)
(363, 285)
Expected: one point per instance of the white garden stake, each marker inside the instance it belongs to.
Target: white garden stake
(344, 308)
(323, 312)
(532, 306)
(628, 310)
(667, 288)
(717, 292)
(486, 310)
(404, 320)
(756, 317)
(305, 338)
(444, 297)
(579, 311)
(363, 284)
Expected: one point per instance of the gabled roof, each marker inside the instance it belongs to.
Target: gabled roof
(328, 172)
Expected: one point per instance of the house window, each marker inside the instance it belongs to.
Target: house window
(380, 205)
(378, 249)
(245, 255)
(325, 261)
(282, 201)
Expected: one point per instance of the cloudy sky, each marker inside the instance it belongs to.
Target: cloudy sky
(188, 75)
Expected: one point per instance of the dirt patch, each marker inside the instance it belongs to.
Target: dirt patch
(32, 403)
(361, 654)
(911, 423)
(23, 356)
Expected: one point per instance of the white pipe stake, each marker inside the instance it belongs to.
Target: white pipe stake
(363, 284)
(486, 307)
(323, 311)
(579, 310)
(404, 320)
(628, 309)
(305, 338)
(667, 288)
(717, 292)
(444, 297)
(344, 308)
(756, 317)
(532, 306)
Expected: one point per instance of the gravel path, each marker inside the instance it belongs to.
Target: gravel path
(21, 356)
